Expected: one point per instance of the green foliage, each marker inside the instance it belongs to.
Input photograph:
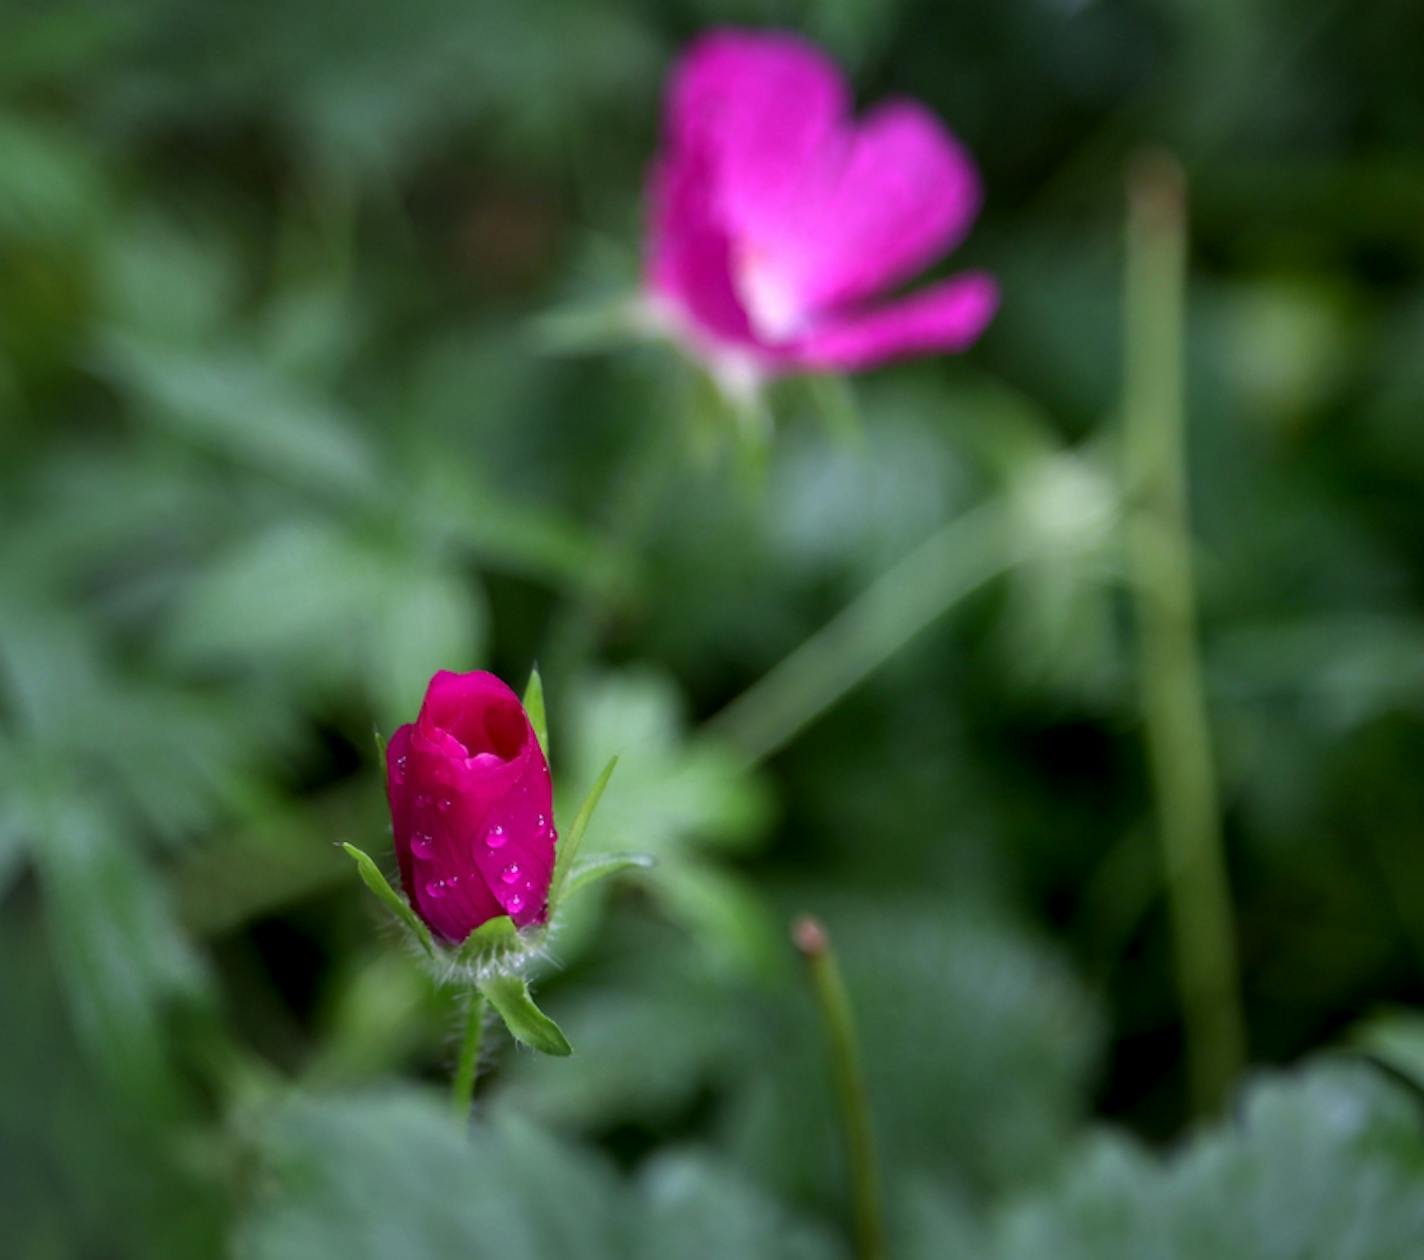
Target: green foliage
(1325, 1163)
(441, 1195)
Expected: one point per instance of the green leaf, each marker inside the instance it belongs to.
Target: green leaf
(509, 995)
(382, 1173)
(236, 404)
(693, 1205)
(120, 955)
(493, 936)
(534, 707)
(568, 850)
(1286, 1175)
(1394, 1038)
(590, 870)
(376, 882)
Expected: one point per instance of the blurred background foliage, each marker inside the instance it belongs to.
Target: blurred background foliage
(283, 431)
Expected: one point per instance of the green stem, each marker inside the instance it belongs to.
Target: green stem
(812, 939)
(951, 564)
(579, 626)
(462, 1092)
(1174, 708)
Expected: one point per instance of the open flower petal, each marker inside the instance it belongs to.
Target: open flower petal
(902, 192)
(944, 317)
(761, 108)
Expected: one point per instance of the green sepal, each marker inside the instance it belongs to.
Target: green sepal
(568, 850)
(376, 882)
(590, 870)
(509, 995)
(489, 940)
(534, 707)
(380, 748)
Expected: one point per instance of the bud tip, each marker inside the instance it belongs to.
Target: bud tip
(809, 935)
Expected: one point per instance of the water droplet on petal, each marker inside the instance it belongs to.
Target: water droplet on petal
(510, 873)
(541, 822)
(422, 845)
(400, 768)
(443, 804)
(422, 801)
(515, 904)
(436, 889)
(495, 837)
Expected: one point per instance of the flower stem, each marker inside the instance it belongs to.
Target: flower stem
(814, 942)
(462, 1092)
(1174, 708)
(951, 564)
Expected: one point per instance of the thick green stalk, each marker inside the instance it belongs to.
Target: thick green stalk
(462, 1091)
(814, 942)
(1174, 708)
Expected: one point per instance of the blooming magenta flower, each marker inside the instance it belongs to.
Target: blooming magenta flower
(472, 807)
(777, 220)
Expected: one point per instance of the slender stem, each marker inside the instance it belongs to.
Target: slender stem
(462, 1092)
(578, 627)
(1174, 707)
(946, 567)
(812, 939)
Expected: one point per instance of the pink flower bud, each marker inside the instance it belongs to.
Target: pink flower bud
(779, 221)
(472, 807)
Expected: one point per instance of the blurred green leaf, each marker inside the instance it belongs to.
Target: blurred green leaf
(1322, 1163)
(234, 405)
(511, 1191)
(1396, 1039)
(699, 1209)
(121, 958)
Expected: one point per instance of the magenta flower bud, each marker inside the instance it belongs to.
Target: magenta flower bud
(472, 807)
(779, 221)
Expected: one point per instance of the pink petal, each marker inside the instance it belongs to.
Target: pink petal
(945, 317)
(688, 259)
(762, 107)
(895, 198)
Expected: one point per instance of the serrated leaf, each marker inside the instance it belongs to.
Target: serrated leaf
(568, 850)
(491, 936)
(590, 870)
(376, 882)
(534, 707)
(509, 995)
